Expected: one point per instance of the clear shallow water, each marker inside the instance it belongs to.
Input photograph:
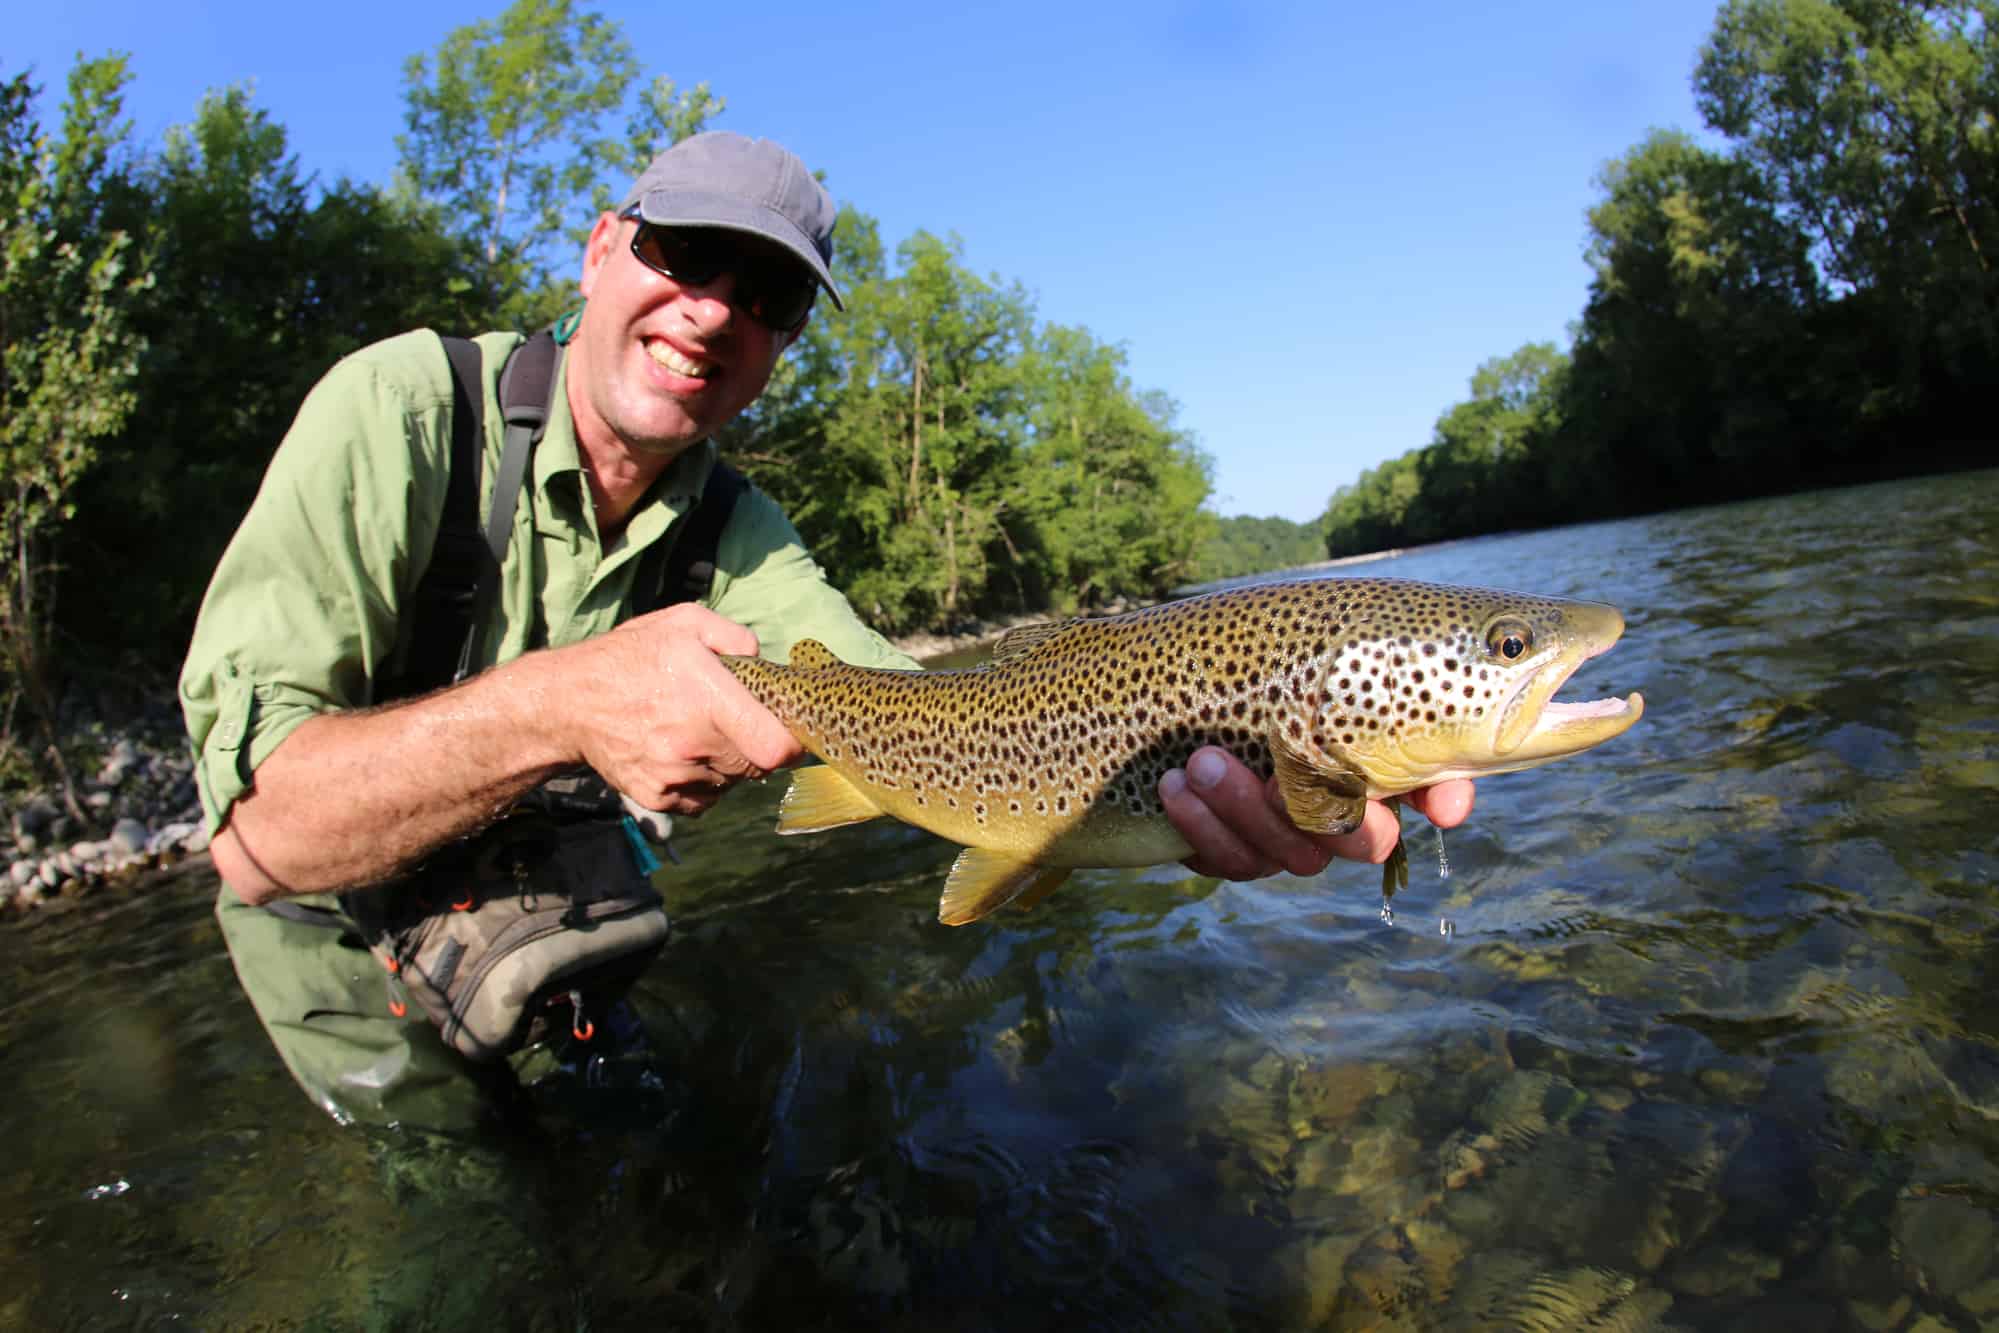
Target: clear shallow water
(1710, 1042)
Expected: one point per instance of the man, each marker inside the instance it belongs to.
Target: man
(693, 289)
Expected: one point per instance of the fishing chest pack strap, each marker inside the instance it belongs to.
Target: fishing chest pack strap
(454, 597)
(554, 905)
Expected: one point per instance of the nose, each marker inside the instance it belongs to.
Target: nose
(711, 305)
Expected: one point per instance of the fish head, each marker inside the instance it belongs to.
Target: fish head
(1432, 682)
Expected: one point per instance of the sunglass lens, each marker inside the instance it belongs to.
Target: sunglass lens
(774, 291)
(685, 256)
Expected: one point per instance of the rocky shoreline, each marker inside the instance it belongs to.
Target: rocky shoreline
(139, 794)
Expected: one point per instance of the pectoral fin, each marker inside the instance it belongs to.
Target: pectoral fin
(1395, 870)
(984, 881)
(821, 799)
(1030, 897)
(1319, 799)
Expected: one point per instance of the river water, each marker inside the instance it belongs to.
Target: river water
(1697, 1033)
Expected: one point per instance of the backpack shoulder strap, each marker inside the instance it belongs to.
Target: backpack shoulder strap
(454, 595)
(442, 603)
(689, 570)
(527, 382)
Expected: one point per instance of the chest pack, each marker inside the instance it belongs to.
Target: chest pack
(548, 916)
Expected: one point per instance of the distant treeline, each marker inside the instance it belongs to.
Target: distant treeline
(1244, 545)
(164, 308)
(1814, 304)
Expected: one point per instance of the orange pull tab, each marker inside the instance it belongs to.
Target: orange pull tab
(580, 1027)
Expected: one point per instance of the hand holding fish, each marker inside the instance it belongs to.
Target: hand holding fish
(663, 721)
(1239, 829)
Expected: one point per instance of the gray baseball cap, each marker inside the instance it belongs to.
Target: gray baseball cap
(721, 179)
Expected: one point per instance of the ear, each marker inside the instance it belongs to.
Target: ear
(600, 248)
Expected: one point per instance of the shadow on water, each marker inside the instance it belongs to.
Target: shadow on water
(1696, 1034)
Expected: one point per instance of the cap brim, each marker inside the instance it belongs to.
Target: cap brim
(688, 208)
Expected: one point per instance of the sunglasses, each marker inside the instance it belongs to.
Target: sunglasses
(775, 292)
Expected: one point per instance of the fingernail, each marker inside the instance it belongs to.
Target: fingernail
(1206, 770)
(1172, 784)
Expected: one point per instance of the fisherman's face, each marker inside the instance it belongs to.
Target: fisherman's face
(663, 364)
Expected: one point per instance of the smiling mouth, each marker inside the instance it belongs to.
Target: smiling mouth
(666, 356)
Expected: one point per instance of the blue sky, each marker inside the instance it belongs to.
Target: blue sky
(1307, 223)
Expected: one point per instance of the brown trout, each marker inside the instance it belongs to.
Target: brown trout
(1048, 758)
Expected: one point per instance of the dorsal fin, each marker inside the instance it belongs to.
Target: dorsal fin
(1026, 638)
(812, 655)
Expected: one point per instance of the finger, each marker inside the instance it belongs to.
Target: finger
(718, 634)
(693, 802)
(1447, 804)
(667, 786)
(1238, 803)
(1376, 837)
(754, 743)
(1217, 850)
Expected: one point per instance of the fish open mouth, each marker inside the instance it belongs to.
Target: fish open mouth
(1565, 728)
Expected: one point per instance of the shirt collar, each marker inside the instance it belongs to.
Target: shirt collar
(672, 493)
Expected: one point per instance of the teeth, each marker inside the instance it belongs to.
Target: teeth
(678, 364)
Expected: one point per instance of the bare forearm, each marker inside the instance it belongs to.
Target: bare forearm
(350, 799)
(353, 798)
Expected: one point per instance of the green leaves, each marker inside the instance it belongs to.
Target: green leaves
(506, 138)
(68, 353)
(945, 457)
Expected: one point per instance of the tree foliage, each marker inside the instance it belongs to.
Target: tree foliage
(945, 457)
(1814, 303)
(259, 282)
(1253, 545)
(506, 136)
(68, 352)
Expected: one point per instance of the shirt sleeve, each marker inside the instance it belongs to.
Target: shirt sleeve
(301, 614)
(766, 580)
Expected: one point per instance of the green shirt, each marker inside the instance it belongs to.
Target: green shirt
(303, 614)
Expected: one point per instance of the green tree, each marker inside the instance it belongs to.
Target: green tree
(1111, 489)
(68, 356)
(1692, 377)
(259, 283)
(505, 133)
(1873, 121)
(1475, 470)
(1370, 514)
(1243, 544)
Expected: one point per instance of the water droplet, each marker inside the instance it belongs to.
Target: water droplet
(1387, 912)
(111, 1191)
(1443, 862)
(1445, 927)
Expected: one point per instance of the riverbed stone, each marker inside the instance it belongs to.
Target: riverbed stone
(1879, 1316)
(1724, 1272)
(1951, 1238)
(124, 754)
(1983, 1299)
(35, 814)
(129, 837)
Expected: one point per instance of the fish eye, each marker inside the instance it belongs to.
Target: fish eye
(1509, 640)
